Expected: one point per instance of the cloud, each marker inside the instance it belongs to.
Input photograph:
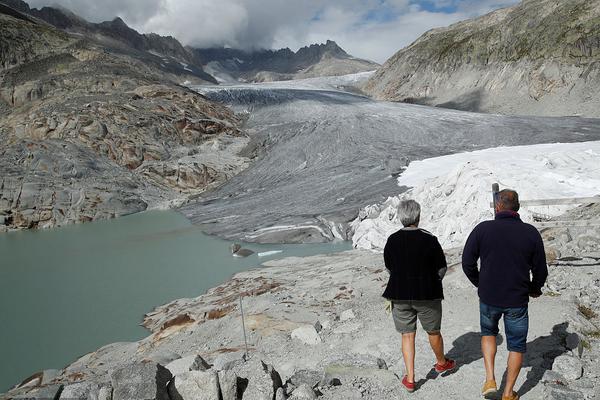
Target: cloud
(372, 29)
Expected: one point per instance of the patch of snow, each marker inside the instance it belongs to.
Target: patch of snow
(455, 191)
(269, 253)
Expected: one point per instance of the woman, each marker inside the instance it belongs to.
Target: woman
(417, 265)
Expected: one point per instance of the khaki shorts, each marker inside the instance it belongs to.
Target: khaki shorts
(406, 312)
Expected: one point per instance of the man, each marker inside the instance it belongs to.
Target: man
(417, 265)
(509, 250)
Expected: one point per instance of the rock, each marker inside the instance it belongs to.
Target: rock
(235, 248)
(318, 326)
(280, 394)
(568, 366)
(303, 377)
(561, 392)
(195, 385)
(163, 357)
(243, 253)
(42, 393)
(357, 360)
(347, 315)
(551, 376)
(185, 364)
(303, 392)
(306, 334)
(140, 381)
(263, 381)
(226, 361)
(228, 385)
(86, 391)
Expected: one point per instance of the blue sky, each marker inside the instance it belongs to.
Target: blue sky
(372, 29)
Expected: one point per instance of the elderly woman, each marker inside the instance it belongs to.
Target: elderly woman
(417, 265)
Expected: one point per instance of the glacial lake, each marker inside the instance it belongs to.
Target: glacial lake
(67, 291)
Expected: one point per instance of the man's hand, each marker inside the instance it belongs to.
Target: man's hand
(535, 295)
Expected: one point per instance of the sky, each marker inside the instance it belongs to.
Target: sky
(371, 29)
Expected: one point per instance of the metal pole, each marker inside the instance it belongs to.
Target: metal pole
(244, 329)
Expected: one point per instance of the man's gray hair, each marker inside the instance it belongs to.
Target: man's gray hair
(409, 212)
(507, 199)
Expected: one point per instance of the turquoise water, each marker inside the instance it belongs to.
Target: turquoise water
(67, 291)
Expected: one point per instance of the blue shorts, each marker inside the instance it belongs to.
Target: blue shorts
(516, 324)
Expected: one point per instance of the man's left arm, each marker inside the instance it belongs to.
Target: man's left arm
(539, 268)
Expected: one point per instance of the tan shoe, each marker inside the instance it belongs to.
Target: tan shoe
(513, 396)
(489, 387)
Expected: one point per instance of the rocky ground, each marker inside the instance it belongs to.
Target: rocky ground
(88, 134)
(317, 329)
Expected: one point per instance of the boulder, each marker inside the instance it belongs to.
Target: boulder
(280, 394)
(45, 392)
(568, 366)
(195, 385)
(86, 391)
(561, 392)
(226, 361)
(303, 392)
(306, 334)
(228, 385)
(263, 381)
(140, 381)
(185, 364)
(303, 377)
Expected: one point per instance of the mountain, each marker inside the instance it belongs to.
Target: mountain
(165, 52)
(90, 132)
(540, 57)
(269, 65)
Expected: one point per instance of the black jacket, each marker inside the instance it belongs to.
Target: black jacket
(509, 249)
(417, 265)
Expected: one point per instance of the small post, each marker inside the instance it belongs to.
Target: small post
(495, 190)
(244, 329)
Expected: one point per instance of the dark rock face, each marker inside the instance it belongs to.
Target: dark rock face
(539, 57)
(283, 63)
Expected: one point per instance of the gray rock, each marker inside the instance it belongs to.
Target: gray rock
(42, 393)
(163, 357)
(347, 315)
(48, 375)
(303, 392)
(228, 385)
(86, 391)
(140, 381)
(568, 366)
(303, 377)
(226, 361)
(280, 394)
(554, 377)
(195, 385)
(561, 392)
(185, 364)
(243, 253)
(357, 360)
(306, 334)
(263, 382)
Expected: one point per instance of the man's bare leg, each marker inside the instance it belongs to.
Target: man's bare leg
(408, 353)
(489, 348)
(515, 360)
(436, 341)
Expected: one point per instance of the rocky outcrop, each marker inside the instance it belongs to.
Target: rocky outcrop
(326, 59)
(87, 134)
(540, 57)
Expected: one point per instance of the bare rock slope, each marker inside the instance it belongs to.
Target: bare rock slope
(540, 57)
(88, 133)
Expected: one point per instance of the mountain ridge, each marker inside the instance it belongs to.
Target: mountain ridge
(539, 57)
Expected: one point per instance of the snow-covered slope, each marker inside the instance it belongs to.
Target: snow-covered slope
(455, 191)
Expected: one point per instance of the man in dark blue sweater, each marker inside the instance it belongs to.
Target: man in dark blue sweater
(509, 250)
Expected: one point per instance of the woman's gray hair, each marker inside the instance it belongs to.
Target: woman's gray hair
(409, 212)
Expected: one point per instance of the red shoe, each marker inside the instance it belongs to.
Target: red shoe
(410, 386)
(447, 366)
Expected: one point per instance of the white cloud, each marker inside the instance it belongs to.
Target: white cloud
(372, 29)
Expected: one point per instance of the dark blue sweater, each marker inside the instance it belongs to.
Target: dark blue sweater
(509, 250)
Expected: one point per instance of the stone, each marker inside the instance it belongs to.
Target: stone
(195, 385)
(228, 385)
(86, 391)
(243, 253)
(303, 377)
(46, 392)
(303, 392)
(318, 326)
(262, 383)
(140, 381)
(561, 392)
(226, 361)
(163, 357)
(280, 394)
(306, 334)
(551, 376)
(357, 360)
(347, 315)
(190, 363)
(568, 366)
